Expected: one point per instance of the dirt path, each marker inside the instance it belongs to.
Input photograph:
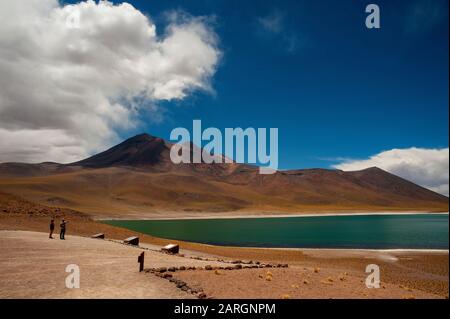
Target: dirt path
(33, 266)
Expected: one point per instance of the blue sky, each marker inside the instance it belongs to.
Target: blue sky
(77, 77)
(334, 88)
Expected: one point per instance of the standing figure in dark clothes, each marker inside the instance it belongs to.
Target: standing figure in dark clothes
(52, 228)
(63, 229)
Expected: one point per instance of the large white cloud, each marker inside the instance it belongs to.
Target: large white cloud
(71, 76)
(426, 167)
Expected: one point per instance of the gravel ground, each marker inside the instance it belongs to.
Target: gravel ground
(33, 266)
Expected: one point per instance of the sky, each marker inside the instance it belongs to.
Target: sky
(341, 95)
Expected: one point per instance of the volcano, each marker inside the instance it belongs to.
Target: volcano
(136, 178)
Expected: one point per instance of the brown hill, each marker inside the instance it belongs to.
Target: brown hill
(136, 178)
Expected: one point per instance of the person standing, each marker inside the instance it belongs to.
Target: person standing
(63, 229)
(52, 228)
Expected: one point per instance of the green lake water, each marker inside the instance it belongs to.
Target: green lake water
(419, 231)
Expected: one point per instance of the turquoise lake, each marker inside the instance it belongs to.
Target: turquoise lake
(419, 231)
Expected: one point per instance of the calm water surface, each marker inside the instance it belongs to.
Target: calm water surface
(420, 231)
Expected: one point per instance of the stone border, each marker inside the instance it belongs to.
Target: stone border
(165, 272)
(246, 262)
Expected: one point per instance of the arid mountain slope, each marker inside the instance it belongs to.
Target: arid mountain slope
(136, 178)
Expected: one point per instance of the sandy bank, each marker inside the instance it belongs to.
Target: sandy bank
(232, 215)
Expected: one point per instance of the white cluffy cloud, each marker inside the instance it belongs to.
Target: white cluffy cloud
(426, 167)
(71, 76)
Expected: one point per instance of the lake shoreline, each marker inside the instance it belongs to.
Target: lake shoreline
(204, 217)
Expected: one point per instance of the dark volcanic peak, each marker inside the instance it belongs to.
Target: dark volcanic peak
(149, 179)
(140, 150)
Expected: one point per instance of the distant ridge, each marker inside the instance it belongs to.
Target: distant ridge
(137, 177)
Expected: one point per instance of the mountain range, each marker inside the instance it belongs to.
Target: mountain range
(136, 178)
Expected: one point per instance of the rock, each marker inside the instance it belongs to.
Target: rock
(316, 270)
(133, 240)
(184, 288)
(182, 268)
(180, 284)
(166, 275)
(208, 267)
(201, 295)
(171, 269)
(238, 266)
(326, 282)
(171, 249)
(236, 262)
(162, 269)
(306, 282)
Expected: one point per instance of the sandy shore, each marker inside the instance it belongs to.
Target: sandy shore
(235, 215)
(33, 266)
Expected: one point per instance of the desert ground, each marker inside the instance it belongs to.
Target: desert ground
(33, 266)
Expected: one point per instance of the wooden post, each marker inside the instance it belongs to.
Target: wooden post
(141, 262)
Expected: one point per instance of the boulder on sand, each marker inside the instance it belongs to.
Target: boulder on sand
(171, 249)
(132, 241)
